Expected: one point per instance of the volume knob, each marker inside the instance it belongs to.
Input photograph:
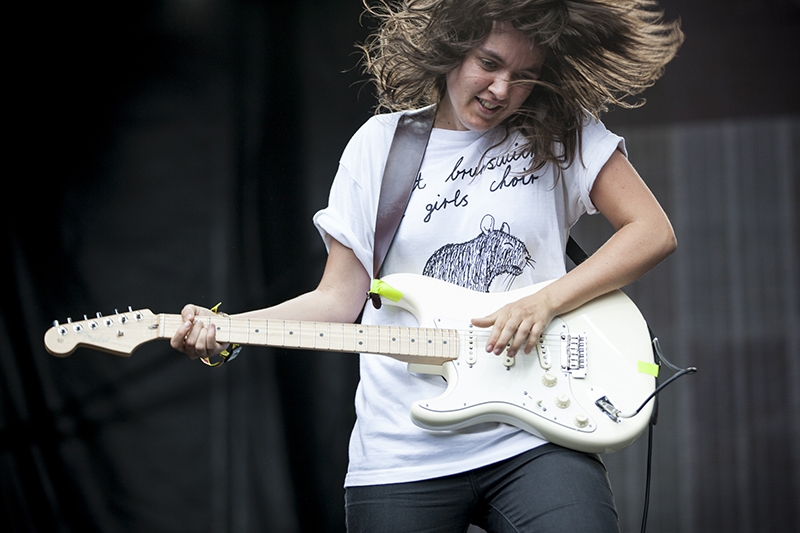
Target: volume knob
(581, 420)
(549, 379)
(562, 401)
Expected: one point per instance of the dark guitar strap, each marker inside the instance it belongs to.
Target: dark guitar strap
(402, 166)
(575, 252)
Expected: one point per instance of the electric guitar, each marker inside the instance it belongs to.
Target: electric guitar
(591, 370)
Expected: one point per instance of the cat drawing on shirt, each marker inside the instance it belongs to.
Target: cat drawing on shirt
(476, 263)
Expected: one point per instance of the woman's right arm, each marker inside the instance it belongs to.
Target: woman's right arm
(339, 297)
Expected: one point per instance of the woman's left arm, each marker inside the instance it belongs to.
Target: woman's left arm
(643, 237)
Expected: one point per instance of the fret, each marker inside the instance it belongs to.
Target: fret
(336, 337)
(256, 331)
(381, 338)
(429, 347)
(374, 339)
(346, 332)
(223, 330)
(413, 341)
(400, 343)
(360, 338)
(439, 339)
(321, 338)
(305, 332)
(277, 333)
(393, 339)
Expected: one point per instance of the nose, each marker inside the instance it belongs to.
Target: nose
(500, 87)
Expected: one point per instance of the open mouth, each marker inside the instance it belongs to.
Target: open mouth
(488, 105)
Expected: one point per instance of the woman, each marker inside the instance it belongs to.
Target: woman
(516, 155)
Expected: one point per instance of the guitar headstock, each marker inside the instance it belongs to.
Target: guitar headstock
(119, 334)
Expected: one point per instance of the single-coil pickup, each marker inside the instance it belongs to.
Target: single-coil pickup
(545, 360)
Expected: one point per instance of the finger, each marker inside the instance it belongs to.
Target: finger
(195, 340)
(533, 339)
(519, 338)
(487, 322)
(188, 312)
(501, 337)
(484, 322)
(178, 340)
(212, 346)
(206, 341)
(530, 343)
(494, 337)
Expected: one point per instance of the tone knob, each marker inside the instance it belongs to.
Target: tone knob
(562, 401)
(581, 420)
(549, 379)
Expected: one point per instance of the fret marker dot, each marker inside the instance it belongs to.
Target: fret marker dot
(257, 331)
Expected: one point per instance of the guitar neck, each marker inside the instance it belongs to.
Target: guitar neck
(411, 345)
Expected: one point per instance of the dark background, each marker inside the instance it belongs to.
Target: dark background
(173, 151)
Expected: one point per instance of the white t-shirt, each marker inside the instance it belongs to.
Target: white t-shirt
(475, 220)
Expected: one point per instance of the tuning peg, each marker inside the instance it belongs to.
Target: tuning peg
(99, 314)
(116, 312)
(130, 309)
(85, 317)
(55, 323)
(69, 320)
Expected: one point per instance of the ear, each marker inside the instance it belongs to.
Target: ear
(505, 228)
(487, 224)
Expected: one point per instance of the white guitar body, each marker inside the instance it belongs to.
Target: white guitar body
(537, 392)
(593, 367)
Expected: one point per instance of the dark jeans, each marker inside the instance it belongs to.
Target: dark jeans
(547, 489)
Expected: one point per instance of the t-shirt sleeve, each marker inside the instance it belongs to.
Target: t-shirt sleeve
(345, 218)
(598, 144)
(353, 201)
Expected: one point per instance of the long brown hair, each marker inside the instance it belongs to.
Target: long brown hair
(598, 53)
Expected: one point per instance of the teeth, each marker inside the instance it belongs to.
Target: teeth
(487, 105)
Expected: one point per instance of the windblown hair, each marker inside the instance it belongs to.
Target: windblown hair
(598, 53)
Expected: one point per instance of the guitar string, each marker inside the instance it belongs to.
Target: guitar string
(235, 326)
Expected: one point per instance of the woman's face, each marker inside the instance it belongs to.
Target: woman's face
(492, 82)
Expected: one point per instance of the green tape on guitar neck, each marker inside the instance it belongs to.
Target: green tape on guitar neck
(648, 368)
(384, 289)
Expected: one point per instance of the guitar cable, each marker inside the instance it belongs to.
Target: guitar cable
(649, 468)
(658, 356)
